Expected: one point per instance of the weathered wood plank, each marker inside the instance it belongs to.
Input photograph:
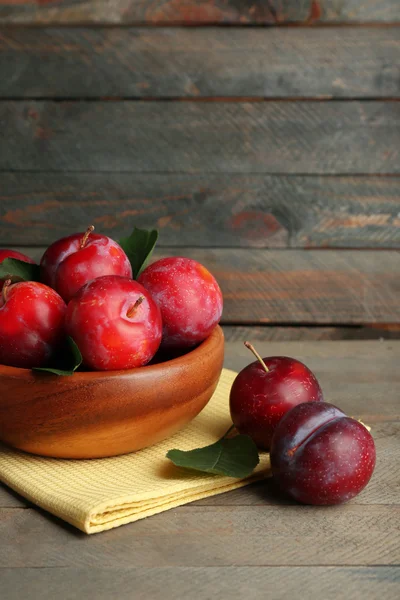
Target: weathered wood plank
(204, 583)
(305, 286)
(295, 286)
(360, 377)
(359, 11)
(204, 210)
(211, 536)
(276, 333)
(155, 12)
(368, 393)
(234, 137)
(384, 487)
(198, 11)
(74, 63)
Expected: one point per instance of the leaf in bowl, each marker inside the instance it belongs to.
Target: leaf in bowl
(67, 362)
(18, 270)
(139, 247)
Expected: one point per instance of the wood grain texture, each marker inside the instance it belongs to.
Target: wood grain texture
(211, 536)
(276, 333)
(361, 377)
(203, 583)
(199, 11)
(273, 211)
(359, 11)
(304, 286)
(231, 137)
(193, 63)
(295, 286)
(159, 11)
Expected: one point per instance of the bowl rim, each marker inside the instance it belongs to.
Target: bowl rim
(212, 340)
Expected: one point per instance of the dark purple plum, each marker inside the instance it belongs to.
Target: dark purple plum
(321, 456)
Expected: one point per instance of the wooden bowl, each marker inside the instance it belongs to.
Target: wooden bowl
(99, 414)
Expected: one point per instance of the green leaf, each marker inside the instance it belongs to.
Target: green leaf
(17, 270)
(139, 247)
(68, 361)
(234, 457)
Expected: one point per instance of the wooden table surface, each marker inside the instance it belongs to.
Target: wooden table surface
(253, 542)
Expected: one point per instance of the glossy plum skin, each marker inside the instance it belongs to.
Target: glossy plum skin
(66, 266)
(189, 297)
(4, 253)
(97, 319)
(31, 324)
(321, 456)
(258, 400)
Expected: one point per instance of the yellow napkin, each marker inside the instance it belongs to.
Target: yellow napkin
(99, 494)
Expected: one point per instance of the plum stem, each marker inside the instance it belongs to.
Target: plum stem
(254, 351)
(133, 308)
(4, 290)
(85, 237)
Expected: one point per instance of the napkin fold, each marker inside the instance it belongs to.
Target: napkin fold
(99, 494)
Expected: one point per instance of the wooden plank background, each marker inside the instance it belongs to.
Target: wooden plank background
(213, 137)
(200, 62)
(69, 583)
(321, 539)
(270, 154)
(205, 210)
(188, 12)
(299, 287)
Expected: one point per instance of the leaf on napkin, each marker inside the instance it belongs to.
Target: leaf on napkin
(17, 270)
(139, 247)
(234, 457)
(67, 362)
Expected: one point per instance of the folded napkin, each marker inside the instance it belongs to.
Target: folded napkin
(99, 494)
